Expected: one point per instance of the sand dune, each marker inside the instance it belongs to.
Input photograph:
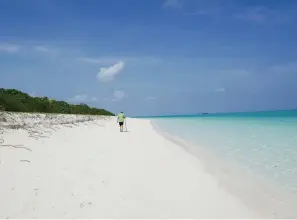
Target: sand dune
(83, 167)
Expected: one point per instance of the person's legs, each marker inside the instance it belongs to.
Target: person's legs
(121, 125)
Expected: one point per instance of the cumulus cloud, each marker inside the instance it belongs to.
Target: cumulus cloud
(9, 48)
(82, 98)
(118, 95)
(172, 4)
(108, 74)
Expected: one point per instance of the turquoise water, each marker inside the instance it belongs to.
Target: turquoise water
(262, 143)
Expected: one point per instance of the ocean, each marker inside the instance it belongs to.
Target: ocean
(253, 154)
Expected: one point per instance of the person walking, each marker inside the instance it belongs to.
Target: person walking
(121, 120)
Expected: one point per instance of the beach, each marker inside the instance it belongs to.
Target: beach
(85, 168)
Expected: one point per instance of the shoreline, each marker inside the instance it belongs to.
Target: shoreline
(270, 201)
(91, 170)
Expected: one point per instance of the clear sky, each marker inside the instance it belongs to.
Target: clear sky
(153, 57)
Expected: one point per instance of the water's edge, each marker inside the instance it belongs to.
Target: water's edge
(256, 192)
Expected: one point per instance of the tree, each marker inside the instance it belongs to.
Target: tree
(17, 101)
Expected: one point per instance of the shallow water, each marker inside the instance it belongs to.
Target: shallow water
(264, 143)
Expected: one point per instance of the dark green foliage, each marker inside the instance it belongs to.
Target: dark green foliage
(17, 101)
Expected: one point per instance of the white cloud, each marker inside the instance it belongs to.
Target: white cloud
(42, 49)
(51, 51)
(108, 74)
(220, 90)
(82, 98)
(172, 4)
(9, 48)
(79, 98)
(118, 95)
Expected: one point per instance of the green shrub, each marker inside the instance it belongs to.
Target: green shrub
(17, 101)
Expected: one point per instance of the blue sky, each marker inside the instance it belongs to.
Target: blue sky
(153, 57)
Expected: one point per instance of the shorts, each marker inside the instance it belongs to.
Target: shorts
(121, 123)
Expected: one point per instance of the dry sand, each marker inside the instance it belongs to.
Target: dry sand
(91, 170)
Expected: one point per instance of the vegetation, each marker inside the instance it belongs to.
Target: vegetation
(17, 101)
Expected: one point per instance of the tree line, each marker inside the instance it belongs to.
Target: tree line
(16, 101)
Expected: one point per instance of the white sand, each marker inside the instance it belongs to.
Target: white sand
(92, 171)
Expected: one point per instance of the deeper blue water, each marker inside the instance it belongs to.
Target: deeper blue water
(263, 143)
